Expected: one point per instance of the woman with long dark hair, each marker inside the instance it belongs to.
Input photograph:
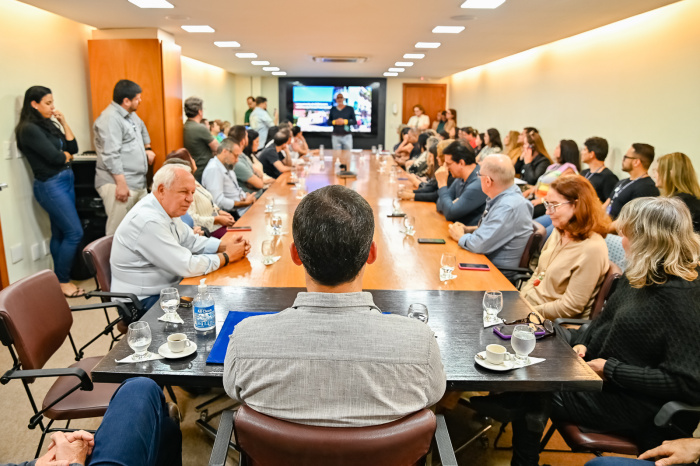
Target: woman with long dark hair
(567, 161)
(49, 152)
(491, 144)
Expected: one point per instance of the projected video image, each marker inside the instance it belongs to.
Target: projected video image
(312, 106)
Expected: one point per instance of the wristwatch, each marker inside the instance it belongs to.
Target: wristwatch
(226, 259)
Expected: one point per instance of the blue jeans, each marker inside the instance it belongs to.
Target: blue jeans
(546, 222)
(57, 196)
(136, 429)
(342, 142)
(614, 461)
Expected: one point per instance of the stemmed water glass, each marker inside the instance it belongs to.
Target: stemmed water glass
(139, 339)
(276, 224)
(169, 300)
(493, 303)
(270, 204)
(268, 250)
(409, 223)
(418, 312)
(523, 342)
(447, 265)
(396, 204)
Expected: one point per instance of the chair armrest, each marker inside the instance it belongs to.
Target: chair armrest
(108, 294)
(523, 270)
(670, 409)
(564, 320)
(223, 436)
(85, 381)
(444, 444)
(123, 309)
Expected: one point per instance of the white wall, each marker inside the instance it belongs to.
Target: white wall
(631, 81)
(214, 85)
(57, 58)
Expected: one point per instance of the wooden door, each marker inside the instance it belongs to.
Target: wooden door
(4, 278)
(433, 97)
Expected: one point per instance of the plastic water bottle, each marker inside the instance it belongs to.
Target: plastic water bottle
(337, 165)
(204, 314)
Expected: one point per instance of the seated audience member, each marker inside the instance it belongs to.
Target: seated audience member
(506, 225)
(566, 162)
(203, 211)
(439, 124)
(676, 178)
(250, 151)
(402, 132)
(299, 144)
(220, 179)
(450, 123)
(427, 191)
(479, 143)
(153, 249)
(682, 451)
(215, 130)
(197, 140)
(492, 144)
(534, 160)
(513, 147)
(636, 162)
(419, 121)
(635, 345)
(594, 152)
(574, 260)
(419, 165)
(331, 358)
(464, 200)
(138, 429)
(248, 180)
(225, 126)
(468, 134)
(271, 157)
(408, 149)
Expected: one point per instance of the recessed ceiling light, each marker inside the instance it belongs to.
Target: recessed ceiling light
(152, 3)
(391, 74)
(463, 17)
(227, 43)
(414, 56)
(260, 62)
(397, 70)
(490, 4)
(270, 68)
(403, 63)
(427, 45)
(279, 73)
(448, 29)
(246, 55)
(177, 17)
(198, 28)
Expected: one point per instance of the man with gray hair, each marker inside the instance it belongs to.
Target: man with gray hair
(506, 224)
(220, 179)
(154, 249)
(196, 137)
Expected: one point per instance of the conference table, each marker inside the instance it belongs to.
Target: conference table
(404, 273)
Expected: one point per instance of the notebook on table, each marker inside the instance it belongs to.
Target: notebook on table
(218, 351)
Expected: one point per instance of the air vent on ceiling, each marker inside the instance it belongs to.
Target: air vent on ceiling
(340, 59)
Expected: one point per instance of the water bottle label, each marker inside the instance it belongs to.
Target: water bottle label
(204, 317)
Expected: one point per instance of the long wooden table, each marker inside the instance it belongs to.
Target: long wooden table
(401, 264)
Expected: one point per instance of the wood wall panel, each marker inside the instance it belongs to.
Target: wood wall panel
(4, 277)
(172, 98)
(433, 97)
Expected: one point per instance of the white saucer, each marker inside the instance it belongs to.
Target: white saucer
(166, 353)
(506, 366)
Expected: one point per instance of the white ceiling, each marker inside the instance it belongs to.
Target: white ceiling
(288, 34)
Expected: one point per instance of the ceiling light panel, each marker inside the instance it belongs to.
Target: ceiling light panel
(483, 4)
(427, 45)
(200, 28)
(246, 55)
(390, 74)
(397, 70)
(260, 62)
(279, 73)
(403, 63)
(227, 43)
(414, 56)
(152, 3)
(448, 29)
(270, 68)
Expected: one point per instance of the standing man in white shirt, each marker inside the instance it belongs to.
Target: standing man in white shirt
(123, 153)
(260, 120)
(220, 179)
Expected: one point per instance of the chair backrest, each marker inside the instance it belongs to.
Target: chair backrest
(616, 253)
(606, 289)
(37, 317)
(268, 441)
(96, 256)
(534, 244)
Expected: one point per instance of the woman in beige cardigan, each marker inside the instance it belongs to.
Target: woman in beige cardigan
(203, 210)
(574, 260)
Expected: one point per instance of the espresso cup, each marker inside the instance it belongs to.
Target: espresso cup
(177, 342)
(496, 354)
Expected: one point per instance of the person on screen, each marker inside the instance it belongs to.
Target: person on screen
(342, 118)
(331, 359)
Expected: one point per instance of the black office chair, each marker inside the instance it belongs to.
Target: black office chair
(533, 248)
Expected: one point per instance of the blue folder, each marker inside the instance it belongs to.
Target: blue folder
(218, 351)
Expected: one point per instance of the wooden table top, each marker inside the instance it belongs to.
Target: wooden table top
(402, 263)
(455, 317)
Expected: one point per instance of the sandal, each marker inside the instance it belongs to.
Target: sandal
(79, 292)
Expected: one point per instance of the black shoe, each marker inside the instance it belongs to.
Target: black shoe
(174, 413)
(503, 407)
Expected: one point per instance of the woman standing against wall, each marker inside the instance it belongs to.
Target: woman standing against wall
(49, 152)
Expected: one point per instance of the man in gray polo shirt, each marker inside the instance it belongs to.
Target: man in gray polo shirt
(123, 153)
(333, 359)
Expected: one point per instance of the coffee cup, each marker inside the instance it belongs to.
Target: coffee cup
(177, 342)
(496, 354)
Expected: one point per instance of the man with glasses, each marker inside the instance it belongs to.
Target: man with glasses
(341, 118)
(464, 200)
(636, 162)
(220, 179)
(506, 224)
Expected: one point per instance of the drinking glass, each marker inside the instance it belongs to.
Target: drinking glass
(139, 338)
(447, 265)
(374, 149)
(276, 224)
(418, 312)
(493, 303)
(268, 251)
(400, 189)
(169, 300)
(396, 204)
(380, 147)
(523, 342)
(270, 204)
(320, 150)
(409, 224)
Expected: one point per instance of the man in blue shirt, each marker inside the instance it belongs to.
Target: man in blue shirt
(506, 225)
(464, 200)
(341, 118)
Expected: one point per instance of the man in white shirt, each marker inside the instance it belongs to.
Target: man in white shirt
(220, 179)
(154, 249)
(260, 120)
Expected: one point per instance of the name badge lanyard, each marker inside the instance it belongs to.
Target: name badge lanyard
(619, 191)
